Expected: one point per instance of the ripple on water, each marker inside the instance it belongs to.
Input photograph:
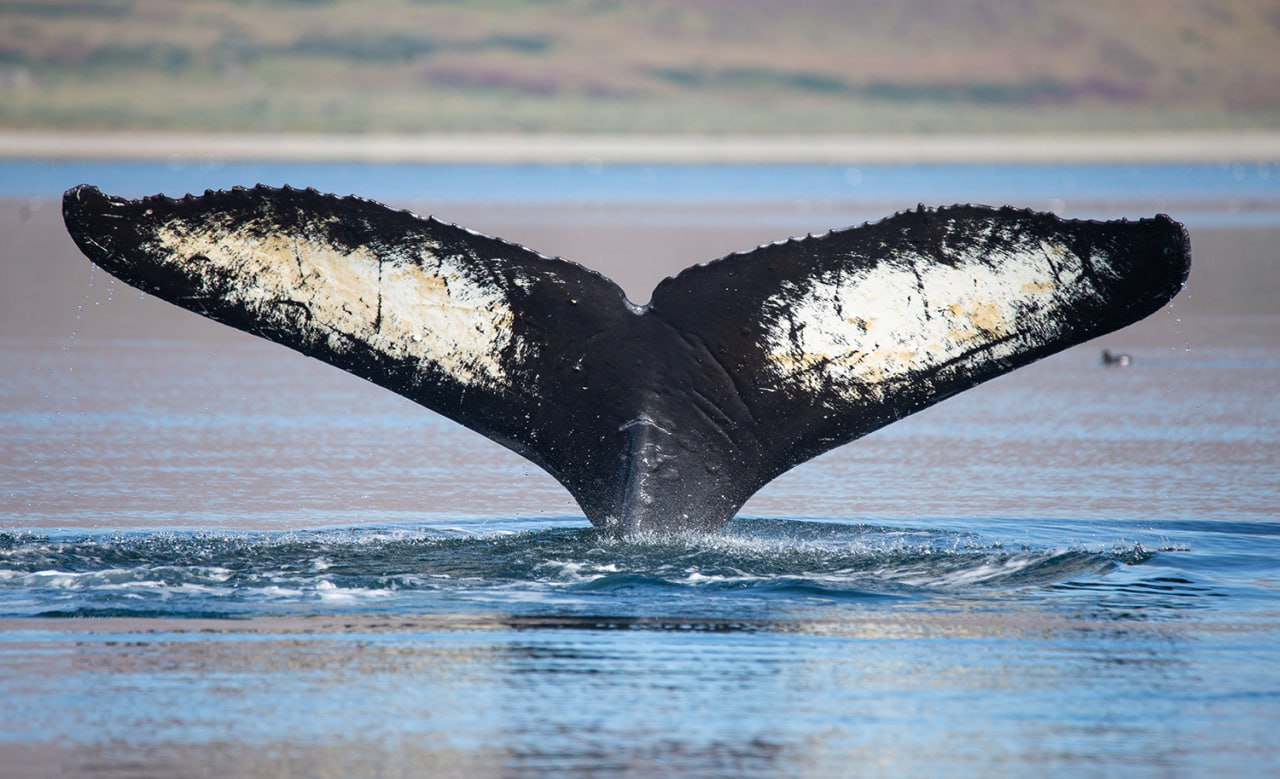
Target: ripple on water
(412, 569)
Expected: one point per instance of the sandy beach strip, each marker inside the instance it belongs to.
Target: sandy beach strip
(1244, 147)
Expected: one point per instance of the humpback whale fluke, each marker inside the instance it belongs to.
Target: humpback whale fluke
(662, 417)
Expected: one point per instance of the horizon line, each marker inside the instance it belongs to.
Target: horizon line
(1254, 146)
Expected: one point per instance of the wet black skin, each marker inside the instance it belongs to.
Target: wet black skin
(664, 418)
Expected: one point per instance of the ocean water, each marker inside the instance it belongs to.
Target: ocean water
(1236, 193)
(220, 558)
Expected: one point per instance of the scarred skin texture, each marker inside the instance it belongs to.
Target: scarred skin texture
(662, 418)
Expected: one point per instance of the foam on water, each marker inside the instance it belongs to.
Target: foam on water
(416, 568)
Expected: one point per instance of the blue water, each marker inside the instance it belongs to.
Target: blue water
(759, 570)
(219, 557)
(650, 183)
(757, 567)
(541, 648)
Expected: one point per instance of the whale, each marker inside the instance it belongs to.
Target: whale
(657, 418)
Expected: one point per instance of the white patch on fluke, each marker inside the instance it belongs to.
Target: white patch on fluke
(412, 304)
(860, 331)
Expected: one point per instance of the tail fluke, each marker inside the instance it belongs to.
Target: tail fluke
(657, 418)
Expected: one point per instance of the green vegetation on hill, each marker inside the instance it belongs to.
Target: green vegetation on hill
(664, 66)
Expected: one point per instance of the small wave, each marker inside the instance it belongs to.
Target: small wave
(415, 568)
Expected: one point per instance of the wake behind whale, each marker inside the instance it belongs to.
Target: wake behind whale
(655, 418)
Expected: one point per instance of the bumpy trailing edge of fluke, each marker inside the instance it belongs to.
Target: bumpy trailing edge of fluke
(659, 418)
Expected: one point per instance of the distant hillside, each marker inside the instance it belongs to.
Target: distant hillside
(663, 66)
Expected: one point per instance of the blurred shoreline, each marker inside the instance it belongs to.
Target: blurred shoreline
(1227, 147)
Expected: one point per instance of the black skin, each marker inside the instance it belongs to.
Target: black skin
(656, 419)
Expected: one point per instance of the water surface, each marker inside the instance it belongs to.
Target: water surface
(215, 553)
(1218, 193)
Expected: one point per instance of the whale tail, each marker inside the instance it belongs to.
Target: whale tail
(662, 417)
